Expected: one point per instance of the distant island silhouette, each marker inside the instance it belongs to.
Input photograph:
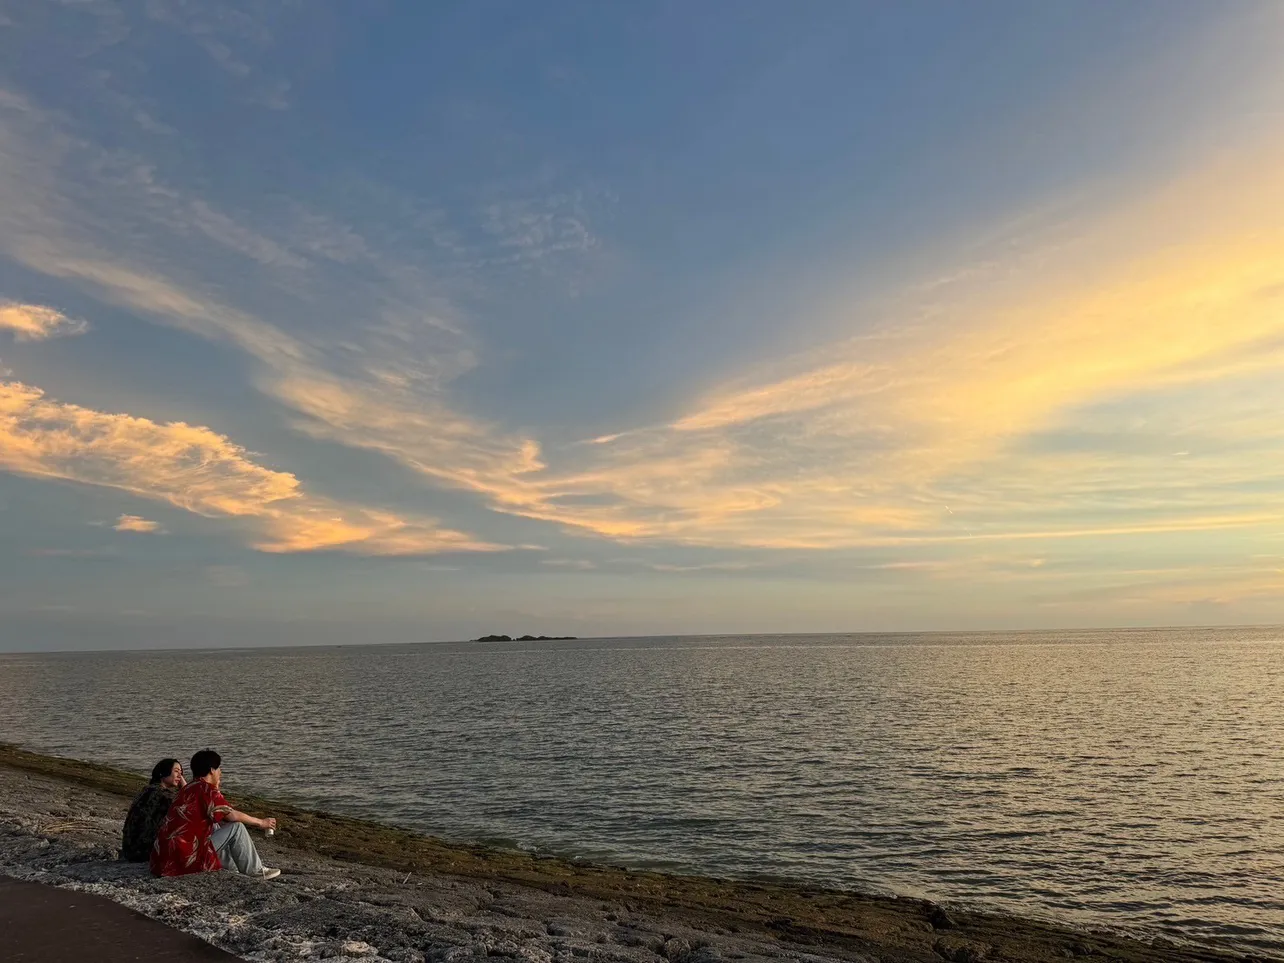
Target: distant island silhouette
(525, 638)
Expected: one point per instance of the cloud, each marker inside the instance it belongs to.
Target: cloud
(73, 552)
(203, 472)
(135, 523)
(867, 441)
(34, 322)
(372, 366)
(578, 564)
(917, 428)
(226, 576)
(708, 567)
(532, 230)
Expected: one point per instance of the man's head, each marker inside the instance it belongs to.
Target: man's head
(167, 773)
(208, 765)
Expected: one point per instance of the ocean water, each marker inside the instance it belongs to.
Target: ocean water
(1132, 780)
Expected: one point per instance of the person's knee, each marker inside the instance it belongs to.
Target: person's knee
(229, 835)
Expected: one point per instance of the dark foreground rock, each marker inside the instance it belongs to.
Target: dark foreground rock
(441, 904)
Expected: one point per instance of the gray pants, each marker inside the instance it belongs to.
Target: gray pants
(236, 850)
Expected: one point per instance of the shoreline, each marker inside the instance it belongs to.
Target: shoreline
(742, 920)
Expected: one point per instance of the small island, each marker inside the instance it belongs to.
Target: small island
(526, 638)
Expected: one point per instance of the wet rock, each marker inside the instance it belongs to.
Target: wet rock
(561, 929)
(959, 951)
(940, 919)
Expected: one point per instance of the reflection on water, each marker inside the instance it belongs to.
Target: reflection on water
(1126, 778)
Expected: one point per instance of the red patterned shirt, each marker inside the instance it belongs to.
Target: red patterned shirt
(183, 841)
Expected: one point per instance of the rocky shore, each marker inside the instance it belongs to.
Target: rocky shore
(359, 890)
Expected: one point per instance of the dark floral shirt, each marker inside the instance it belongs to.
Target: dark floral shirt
(146, 813)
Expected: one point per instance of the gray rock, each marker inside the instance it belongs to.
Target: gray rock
(675, 949)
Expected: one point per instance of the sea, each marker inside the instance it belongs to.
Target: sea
(1130, 780)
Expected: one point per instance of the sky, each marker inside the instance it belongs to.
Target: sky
(334, 323)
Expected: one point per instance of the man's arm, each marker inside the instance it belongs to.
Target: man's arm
(236, 816)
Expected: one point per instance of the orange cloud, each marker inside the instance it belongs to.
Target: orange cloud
(875, 440)
(34, 322)
(203, 472)
(136, 523)
(867, 442)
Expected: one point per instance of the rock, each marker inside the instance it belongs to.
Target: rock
(959, 951)
(403, 954)
(940, 919)
(357, 948)
(675, 949)
(560, 929)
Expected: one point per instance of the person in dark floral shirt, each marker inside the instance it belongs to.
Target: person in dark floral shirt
(148, 810)
(202, 833)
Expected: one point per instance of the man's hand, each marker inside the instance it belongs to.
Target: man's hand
(269, 823)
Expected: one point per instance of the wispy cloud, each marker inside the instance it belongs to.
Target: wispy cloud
(226, 576)
(870, 441)
(917, 429)
(237, 38)
(372, 366)
(707, 567)
(83, 553)
(35, 322)
(138, 524)
(200, 471)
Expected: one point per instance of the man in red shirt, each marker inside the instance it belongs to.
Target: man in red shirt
(202, 833)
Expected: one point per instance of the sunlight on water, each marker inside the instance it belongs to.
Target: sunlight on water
(1131, 779)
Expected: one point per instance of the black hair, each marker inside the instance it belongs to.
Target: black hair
(204, 761)
(162, 769)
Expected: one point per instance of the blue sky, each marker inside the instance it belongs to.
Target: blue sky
(327, 322)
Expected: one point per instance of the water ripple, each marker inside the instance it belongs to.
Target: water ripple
(1127, 779)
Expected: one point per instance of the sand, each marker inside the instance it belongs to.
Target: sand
(357, 890)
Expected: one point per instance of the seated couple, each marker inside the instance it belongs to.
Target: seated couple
(181, 827)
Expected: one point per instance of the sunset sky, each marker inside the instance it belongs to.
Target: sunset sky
(393, 321)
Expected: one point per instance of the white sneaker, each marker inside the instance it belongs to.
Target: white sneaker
(269, 873)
